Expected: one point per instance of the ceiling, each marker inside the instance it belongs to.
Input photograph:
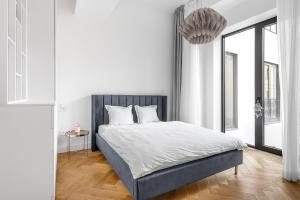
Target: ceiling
(105, 6)
(232, 10)
(95, 8)
(173, 4)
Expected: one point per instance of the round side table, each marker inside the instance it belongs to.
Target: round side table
(73, 134)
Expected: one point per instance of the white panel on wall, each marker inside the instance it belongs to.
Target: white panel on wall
(27, 152)
(24, 28)
(19, 87)
(11, 19)
(11, 71)
(41, 51)
(24, 78)
(18, 11)
(19, 49)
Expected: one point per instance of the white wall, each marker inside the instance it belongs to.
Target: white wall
(26, 152)
(130, 52)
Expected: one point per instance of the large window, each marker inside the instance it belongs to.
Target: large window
(251, 86)
(231, 121)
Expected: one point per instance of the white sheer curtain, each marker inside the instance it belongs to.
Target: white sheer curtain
(289, 47)
(191, 101)
(190, 108)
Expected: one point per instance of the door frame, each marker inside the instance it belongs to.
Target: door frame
(259, 78)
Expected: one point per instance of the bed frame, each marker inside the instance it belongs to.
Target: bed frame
(161, 181)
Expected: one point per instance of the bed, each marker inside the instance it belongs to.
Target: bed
(162, 180)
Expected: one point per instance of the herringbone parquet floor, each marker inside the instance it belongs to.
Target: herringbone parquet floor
(92, 178)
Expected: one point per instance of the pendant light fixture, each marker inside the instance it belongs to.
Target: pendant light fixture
(203, 25)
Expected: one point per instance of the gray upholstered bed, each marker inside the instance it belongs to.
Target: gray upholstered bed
(161, 181)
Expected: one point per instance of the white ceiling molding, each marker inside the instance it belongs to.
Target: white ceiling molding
(246, 10)
(225, 5)
(250, 21)
(171, 5)
(100, 9)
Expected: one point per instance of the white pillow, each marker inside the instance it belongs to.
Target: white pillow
(119, 115)
(146, 114)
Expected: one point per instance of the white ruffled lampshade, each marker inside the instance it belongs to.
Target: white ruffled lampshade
(202, 26)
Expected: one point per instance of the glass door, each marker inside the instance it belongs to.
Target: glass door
(250, 86)
(271, 89)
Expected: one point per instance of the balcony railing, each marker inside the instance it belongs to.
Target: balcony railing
(272, 110)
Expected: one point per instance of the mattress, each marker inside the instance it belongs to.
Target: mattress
(150, 147)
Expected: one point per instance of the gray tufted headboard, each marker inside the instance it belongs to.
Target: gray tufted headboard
(100, 115)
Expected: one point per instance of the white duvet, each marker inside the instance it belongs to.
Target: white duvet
(147, 148)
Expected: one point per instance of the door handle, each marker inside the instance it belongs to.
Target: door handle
(258, 109)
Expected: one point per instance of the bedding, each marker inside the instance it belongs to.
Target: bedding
(146, 114)
(119, 115)
(150, 147)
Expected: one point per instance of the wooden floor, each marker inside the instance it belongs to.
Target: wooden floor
(92, 178)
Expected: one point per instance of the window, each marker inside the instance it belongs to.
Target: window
(271, 93)
(231, 118)
(17, 51)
